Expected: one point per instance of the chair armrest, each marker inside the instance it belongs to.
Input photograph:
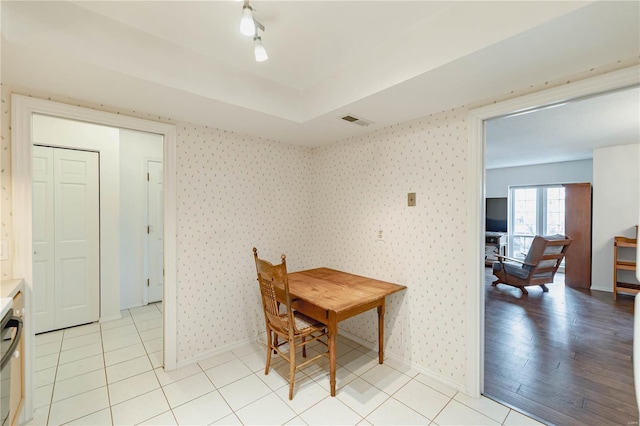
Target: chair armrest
(500, 257)
(511, 259)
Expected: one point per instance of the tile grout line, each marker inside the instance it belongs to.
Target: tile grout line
(161, 387)
(315, 382)
(56, 382)
(436, 390)
(106, 378)
(55, 377)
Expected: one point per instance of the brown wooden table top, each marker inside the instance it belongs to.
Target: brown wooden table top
(338, 291)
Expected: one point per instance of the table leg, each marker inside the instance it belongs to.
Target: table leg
(381, 332)
(333, 336)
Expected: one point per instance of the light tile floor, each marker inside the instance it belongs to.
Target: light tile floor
(110, 373)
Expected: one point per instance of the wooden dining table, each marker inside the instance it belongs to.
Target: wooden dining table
(331, 296)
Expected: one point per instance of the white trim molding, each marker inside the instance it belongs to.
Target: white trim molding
(476, 190)
(22, 109)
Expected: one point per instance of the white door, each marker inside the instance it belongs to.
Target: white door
(155, 231)
(43, 239)
(68, 198)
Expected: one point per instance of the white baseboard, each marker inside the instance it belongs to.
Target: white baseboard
(110, 318)
(365, 343)
(133, 305)
(408, 364)
(217, 351)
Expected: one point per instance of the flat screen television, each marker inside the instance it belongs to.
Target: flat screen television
(496, 215)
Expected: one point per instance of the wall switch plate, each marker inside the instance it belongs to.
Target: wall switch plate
(411, 198)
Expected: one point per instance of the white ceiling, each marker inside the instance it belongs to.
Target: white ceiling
(564, 132)
(385, 61)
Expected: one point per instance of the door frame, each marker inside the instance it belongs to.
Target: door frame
(147, 245)
(22, 109)
(476, 194)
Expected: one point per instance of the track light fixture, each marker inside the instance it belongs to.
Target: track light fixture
(247, 23)
(249, 26)
(258, 49)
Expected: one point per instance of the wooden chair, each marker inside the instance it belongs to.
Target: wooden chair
(538, 268)
(296, 329)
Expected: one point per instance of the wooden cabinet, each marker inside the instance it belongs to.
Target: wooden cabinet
(578, 227)
(17, 367)
(15, 289)
(624, 265)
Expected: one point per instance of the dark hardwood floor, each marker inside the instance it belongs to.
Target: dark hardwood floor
(563, 357)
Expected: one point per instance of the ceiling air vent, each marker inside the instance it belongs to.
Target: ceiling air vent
(356, 120)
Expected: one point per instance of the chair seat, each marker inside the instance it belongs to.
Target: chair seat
(511, 268)
(516, 269)
(304, 324)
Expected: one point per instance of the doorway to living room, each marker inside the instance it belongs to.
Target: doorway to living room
(563, 356)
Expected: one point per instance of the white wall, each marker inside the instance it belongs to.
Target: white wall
(498, 180)
(135, 149)
(53, 131)
(616, 202)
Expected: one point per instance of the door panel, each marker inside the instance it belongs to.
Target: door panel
(65, 237)
(71, 200)
(155, 235)
(43, 239)
(77, 244)
(72, 279)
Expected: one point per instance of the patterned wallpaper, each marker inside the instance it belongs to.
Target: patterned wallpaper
(234, 192)
(361, 189)
(6, 267)
(323, 207)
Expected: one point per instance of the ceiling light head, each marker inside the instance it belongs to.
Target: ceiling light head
(259, 50)
(247, 23)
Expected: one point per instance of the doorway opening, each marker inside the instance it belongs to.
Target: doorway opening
(23, 110)
(605, 83)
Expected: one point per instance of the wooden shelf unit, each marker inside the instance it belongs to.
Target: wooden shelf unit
(628, 245)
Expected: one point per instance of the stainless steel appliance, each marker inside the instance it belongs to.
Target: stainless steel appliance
(10, 334)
